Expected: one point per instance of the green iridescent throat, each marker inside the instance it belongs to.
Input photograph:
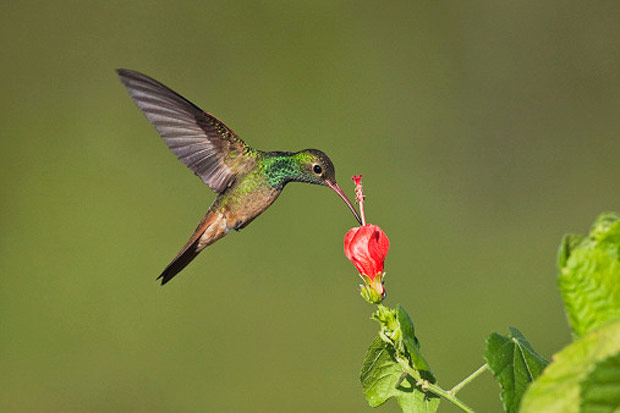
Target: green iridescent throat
(283, 167)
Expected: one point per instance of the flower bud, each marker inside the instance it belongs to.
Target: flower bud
(366, 247)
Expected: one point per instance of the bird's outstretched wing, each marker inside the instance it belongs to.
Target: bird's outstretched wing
(203, 143)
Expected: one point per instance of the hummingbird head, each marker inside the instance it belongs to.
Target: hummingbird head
(317, 168)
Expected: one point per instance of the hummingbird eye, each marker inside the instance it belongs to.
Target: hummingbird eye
(317, 169)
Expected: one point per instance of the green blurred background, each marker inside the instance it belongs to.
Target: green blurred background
(484, 131)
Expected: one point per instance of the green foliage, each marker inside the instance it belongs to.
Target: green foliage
(601, 388)
(381, 379)
(412, 344)
(384, 372)
(589, 278)
(514, 363)
(584, 376)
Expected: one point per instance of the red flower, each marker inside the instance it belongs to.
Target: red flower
(366, 247)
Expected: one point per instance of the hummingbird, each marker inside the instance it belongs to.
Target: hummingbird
(247, 180)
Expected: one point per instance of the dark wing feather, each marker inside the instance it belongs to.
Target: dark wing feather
(198, 139)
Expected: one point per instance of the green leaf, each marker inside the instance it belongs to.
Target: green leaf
(412, 344)
(514, 363)
(600, 391)
(381, 374)
(568, 244)
(589, 278)
(583, 377)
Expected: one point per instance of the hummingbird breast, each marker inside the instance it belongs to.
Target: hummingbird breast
(244, 201)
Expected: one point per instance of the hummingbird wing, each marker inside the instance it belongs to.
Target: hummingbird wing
(203, 143)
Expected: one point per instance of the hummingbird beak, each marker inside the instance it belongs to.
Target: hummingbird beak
(336, 188)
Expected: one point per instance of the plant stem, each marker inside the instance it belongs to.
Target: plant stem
(404, 363)
(384, 316)
(468, 379)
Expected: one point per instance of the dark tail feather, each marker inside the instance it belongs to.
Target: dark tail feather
(214, 225)
(180, 261)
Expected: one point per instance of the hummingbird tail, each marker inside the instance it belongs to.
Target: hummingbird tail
(211, 228)
(180, 261)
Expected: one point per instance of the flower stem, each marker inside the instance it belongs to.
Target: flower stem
(433, 388)
(425, 385)
(468, 379)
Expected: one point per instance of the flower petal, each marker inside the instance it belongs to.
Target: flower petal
(366, 247)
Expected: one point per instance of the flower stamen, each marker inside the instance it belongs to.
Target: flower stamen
(359, 196)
